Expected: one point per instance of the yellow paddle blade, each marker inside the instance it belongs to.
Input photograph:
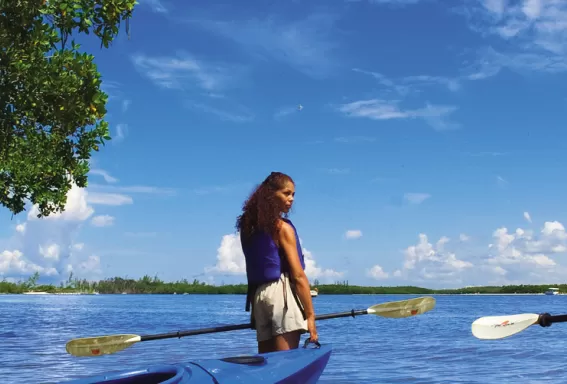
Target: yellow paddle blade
(403, 308)
(100, 345)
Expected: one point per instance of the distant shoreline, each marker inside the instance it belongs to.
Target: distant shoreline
(242, 294)
(154, 285)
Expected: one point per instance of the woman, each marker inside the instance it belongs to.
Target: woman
(278, 289)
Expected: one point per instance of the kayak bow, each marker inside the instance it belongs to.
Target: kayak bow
(301, 365)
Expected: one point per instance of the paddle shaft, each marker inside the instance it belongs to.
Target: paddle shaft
(236, 327)
(545, 319)
(352, 313)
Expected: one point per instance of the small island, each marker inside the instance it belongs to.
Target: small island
(154, 285)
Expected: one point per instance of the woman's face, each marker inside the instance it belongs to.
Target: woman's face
(285, 196)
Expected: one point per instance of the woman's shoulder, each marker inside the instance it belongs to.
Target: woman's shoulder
(285, 229)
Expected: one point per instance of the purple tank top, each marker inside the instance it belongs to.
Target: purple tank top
(263, 261)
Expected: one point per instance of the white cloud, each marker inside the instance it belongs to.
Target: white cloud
(464, 237)
(126, 104)
(78, 246)
(102, 221)
(14, 263)
(121, 133)
(534, 32)
(416, 198)
(353, 234)
(21, 228)
(48, 245)
(183, 72)
(108, 199)
(496, 7)
(90, 266)
(313, 271)
(412, 84)
(306, 45)
(76, 207)
(518, 257)
(527, 217)
(156, 5)
(522, 255)
(104, 174)
(430, 261)
(502, 182)
(377, 109)
(230, 257)
(376, 272)
(50, 251)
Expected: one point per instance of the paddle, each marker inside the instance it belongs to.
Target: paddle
(104, 345)
(499, 327)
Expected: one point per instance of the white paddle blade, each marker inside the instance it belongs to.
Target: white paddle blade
(100, 345)
(498, 327)
(404, 308)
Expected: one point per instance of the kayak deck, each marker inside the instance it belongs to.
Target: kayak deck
(302, 365)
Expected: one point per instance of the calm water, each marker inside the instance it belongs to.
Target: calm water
(436, 347)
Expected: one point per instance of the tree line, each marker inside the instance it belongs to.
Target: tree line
(155, 285)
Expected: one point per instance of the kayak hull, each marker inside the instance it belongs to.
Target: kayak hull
(302, 365)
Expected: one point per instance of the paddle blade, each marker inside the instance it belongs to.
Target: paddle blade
(403, 308)
(498, 327)
(100, 345)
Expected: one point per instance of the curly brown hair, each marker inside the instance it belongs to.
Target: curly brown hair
(261, 211)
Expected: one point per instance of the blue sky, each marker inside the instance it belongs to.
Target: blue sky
(428, 149)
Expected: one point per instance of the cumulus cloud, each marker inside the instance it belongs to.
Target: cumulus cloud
(432, 261)
(512, 257)
(376, 272)
(48, 245)
(13, 263)
(521, 251)
(230, 257)
(313, 271)
(76, 208)
(50, 251)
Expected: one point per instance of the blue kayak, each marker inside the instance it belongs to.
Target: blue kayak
(301, 365)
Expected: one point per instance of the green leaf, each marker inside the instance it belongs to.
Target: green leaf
(52, 129)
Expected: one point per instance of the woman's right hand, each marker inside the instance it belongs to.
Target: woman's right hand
(312, 329)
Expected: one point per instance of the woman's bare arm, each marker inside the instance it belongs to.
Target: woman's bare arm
(287, 241)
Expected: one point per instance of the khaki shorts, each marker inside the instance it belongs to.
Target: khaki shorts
(271, 315)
